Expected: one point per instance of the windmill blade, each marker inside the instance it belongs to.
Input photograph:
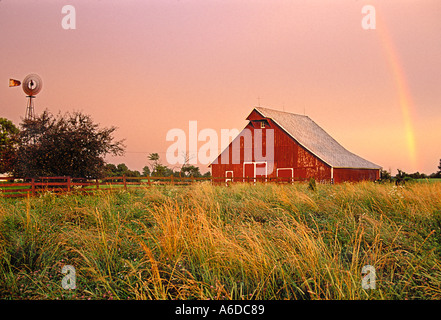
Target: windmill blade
(14, 83)
(32, 84)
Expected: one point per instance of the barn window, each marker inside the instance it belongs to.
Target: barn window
(262, 124)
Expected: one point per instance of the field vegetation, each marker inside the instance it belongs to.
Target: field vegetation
(263, 241)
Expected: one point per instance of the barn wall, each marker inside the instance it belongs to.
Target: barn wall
(287, 154)
(254, 115)
(347, 174)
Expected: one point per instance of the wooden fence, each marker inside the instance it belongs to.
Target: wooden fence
(23, 187)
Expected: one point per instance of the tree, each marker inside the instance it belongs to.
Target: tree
(385, 175)
(120, 170)
(66, 145)
(110, 170)
(154, 161)
(207, 174)
(162, 171)
(401, 174)
(9, 142)
(145, 171)
(154, 157)
(191, 171)
(185, 163)
(123, 170)
(158, 170)
(437, 174)
(402, 177)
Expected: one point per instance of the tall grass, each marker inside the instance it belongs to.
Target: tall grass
(215, 242)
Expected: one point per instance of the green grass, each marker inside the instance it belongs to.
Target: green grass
(432, 180)
(215, 242)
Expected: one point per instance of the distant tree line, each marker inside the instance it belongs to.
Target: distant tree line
(402, 176)
(154, 169)
(71, 145)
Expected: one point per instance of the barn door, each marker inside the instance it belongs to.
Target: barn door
(248, 169)
(255, 171)
(285, 174)
(260, 170)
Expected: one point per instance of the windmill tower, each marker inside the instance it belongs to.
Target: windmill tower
(32, 85)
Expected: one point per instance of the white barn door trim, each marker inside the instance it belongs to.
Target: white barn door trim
(255, 163)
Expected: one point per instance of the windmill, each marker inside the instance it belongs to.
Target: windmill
(32, 85)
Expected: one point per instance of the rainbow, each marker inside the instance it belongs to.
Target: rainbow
(403, 91)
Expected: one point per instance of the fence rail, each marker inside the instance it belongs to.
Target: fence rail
(23, 187)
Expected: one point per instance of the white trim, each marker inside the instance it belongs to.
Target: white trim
(254, 169)
(292, 173)
(227, 178)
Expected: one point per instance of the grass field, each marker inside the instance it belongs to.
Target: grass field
(215, 242)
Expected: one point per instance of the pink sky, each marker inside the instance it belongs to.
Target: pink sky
(151, 66)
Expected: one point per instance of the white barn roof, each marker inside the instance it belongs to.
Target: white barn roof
(313, 138)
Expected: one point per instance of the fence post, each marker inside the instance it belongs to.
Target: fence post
(148, 179)
(97, 183)
(33, 186)
(68, 184)
(172, 180)
(124, 181)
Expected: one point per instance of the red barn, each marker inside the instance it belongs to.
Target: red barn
(286, 145)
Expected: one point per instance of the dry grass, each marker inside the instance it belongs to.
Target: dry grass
(213, 242)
